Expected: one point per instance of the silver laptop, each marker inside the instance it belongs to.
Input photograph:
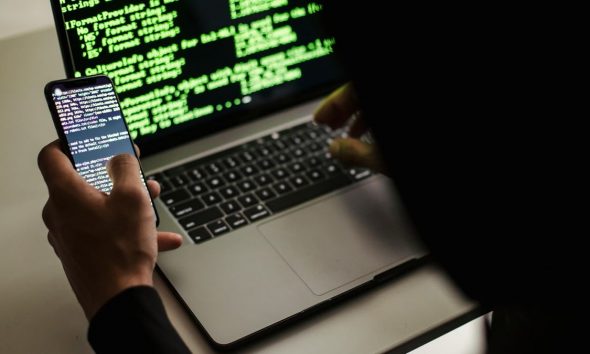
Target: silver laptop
(219, 96)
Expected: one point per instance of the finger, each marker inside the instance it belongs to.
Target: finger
(168, 241)
(358, 127)
(154, 188)
(354, 152)
(338, 107)
(124, 172)
(137, 150)
(57, 169)
(48, 215)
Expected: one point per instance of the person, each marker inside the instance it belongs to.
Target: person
(472, 107)
(108, 246)
(464, 125)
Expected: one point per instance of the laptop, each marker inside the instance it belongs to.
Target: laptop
(219, 96)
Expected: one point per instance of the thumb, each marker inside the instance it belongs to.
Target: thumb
(168, 241)
(354, 152)
(124, 171)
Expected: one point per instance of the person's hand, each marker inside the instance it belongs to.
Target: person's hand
(336, 111)
(106, 243)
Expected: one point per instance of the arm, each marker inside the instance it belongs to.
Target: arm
(108, 245)
(134, 321)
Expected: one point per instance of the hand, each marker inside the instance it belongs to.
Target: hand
(336, 111)
(106, 243)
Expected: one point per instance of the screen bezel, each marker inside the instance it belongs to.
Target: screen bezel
(207, 127)
(76, 83)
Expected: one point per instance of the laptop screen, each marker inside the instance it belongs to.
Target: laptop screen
(185, 68)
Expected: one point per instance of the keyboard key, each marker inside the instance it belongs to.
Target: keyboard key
(246, 186)
(232, 176)
(314, 175)
(264, 151)
(280, 173)
(197, 189)
(282, 158)
(229, 192)
(186, 208)
(282, 188)
(200, 218)
(199, 235)
(313, 161)
(266, 164)
(249, 170)
(231, 162)
(299, 181)
(230, 207)
(256, 213)
(175, 197)
(324, 129)
(314, 147)
(280, 145)
(218, 227)
(197, 174)
(297, 167)
(236, 220)
(314, 134)
(211, 198)
(298, 153)
(215, 182)
(263, 180)
(308, 193)
(248, 156)
(247, 200)
(265, 194)
(297, 140)
(214, 168)
(179, 180)
(332, 169)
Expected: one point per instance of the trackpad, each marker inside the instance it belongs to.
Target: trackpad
(343, 238)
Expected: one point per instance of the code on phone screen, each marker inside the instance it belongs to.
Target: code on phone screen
(94, 129)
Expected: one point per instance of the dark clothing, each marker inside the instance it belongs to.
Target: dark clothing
(134, 322)
(473, 107)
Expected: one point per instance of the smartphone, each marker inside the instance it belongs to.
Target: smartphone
(87, 116)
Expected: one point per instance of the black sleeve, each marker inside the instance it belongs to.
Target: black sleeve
(134, 321)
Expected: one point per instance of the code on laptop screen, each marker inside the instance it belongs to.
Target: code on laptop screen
(177, 63)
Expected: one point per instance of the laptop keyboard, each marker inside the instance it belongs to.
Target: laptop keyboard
(216, 194)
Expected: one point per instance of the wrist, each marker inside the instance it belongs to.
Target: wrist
(101, 295)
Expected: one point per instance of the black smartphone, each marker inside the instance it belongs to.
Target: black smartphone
(87, 116)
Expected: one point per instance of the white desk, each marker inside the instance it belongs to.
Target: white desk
(38, 311)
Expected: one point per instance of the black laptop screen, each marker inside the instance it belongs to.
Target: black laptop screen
(184, 68)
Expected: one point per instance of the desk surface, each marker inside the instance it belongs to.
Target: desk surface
(38, 310)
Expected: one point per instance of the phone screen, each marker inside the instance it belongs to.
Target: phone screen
(94, 128)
